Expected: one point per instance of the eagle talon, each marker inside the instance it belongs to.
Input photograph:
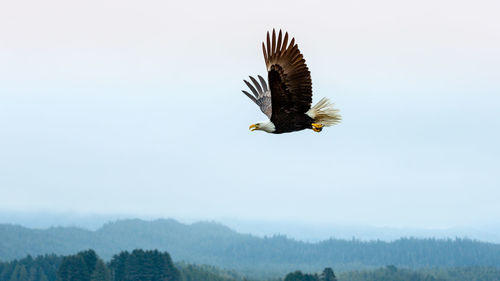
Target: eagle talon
(317, 130)
(317, 126)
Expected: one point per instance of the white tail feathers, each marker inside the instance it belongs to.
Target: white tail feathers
(324, 113)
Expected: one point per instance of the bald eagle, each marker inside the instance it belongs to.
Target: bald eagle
(287, 100)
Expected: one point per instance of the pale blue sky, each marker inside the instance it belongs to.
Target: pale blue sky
(126, 107)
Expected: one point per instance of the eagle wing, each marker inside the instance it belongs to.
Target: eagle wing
(288, 76)
(261, 95)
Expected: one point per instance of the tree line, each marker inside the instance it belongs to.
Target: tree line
(153, 265)
(143, 265)
(87, 266)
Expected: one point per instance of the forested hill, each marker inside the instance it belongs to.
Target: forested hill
(215, 244)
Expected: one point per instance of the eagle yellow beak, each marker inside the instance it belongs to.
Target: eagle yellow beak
(253, 127)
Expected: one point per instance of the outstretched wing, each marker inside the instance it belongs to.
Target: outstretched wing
(288, 75)
(261, 95)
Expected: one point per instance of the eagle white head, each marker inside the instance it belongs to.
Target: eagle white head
(266, 126)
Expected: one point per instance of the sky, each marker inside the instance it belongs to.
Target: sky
(135, 108)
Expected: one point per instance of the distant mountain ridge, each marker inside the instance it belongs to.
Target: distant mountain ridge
(215, 244)
(308, 231)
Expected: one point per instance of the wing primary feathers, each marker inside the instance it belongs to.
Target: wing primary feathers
(285, 41)
(274, 42)
(265, 52)
(268, 46)
(263, 82)
(250, 96)
(257, 85)
(251, 88)
(278, 47)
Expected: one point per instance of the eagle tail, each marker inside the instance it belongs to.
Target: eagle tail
(324, 113)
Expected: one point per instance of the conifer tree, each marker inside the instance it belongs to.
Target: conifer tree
(328, 275)
(100, 273)
(20, 273)
(73, 268)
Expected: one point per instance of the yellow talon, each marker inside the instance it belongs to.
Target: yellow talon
(317, 125)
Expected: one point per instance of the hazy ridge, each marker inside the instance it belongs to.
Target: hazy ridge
(298, 230)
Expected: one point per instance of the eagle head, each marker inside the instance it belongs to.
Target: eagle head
(263, 126)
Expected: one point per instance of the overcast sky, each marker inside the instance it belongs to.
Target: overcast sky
(134, 107)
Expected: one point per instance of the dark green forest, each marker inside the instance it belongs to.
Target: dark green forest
(217, 245)
(153, 265)
(86, 265)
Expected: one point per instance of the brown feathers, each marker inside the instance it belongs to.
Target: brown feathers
(288, 75)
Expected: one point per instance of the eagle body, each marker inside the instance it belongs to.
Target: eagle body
(286, 122)
(287, 97)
